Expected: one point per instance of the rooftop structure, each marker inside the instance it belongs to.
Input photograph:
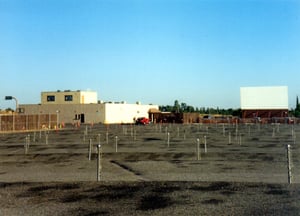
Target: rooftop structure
(69, 97)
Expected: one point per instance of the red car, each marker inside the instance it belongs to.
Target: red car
(142, 121)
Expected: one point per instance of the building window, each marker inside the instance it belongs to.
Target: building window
(50, 98)
(68, 97)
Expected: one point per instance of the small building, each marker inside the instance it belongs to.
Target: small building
(83, 107)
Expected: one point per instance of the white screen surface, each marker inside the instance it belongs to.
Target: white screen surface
(264, 97)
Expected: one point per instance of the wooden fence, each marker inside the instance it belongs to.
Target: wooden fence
(22, 122)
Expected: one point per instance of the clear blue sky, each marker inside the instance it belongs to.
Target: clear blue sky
(155, 51)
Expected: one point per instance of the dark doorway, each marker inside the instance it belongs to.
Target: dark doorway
(81, 118)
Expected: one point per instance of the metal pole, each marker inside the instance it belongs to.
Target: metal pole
(198, 150)
(205, 148)
(46, 138)
(99, 139)
(134, 137)
(229, 138)
(168, 139)
(90, 149)
(99, 166)
(289, 164)
(116, 143)
(28, 139)
(249, 131)
(34, 136)
(26, 146)
(106, 137)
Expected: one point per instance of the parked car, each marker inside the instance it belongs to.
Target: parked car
(142, 121)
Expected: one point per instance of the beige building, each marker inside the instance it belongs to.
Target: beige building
(69, 97)
(83, 107)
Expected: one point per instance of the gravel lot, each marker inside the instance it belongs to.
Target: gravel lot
(242, 170)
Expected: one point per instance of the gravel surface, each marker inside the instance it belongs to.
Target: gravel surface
(243, 171)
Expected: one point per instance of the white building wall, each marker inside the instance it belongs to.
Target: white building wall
(88, 97)
(125, 113)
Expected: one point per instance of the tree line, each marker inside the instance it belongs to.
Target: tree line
(185, 108)
(296, 111)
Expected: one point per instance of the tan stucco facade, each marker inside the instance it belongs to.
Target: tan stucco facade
(69, 97)
(106, 113)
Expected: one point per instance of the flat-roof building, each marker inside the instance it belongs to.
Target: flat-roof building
(84, 107)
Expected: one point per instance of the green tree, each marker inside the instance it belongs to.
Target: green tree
(297, 110)
(176, 107)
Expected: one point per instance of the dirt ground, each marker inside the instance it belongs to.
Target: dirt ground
(151, 170)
